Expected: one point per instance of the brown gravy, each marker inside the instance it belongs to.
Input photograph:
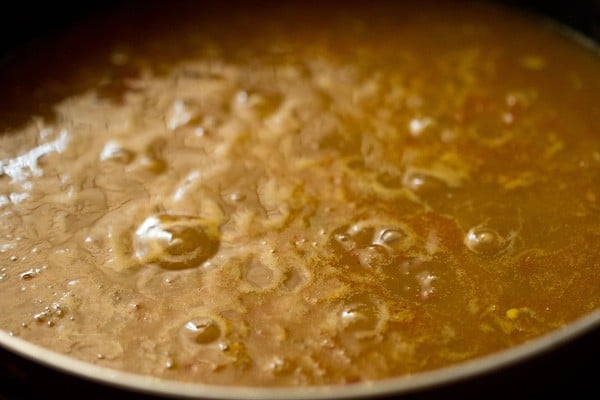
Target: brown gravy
(280, 197)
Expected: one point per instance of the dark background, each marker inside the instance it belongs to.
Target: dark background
(24, 21)
(572, 371)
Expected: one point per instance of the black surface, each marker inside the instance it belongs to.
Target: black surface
(25, 21)
(582, 15)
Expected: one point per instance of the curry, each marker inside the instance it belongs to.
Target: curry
(285, 197)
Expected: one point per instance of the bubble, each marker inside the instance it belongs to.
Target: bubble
(152, 160)
(420, 182)
(236, 197)
(201, 330)
(152, 164)
(175, 241)
(390, 236)
(360, 315)
(179, 115)
(260, 105)
(50, 314)
(280, 365)
(393, 239)
(200, 131)
(390, 181)
(417, 126)
(348, 242)
(223, 346)
(241, 97)
(425, 280)
(295, 279)
(367, 244)
(354, 236)
(113, 151)
(259, 275)
(373, 256)
(485, 241)
(170, 363)
(153, 279)
(30, 273)
(96, 346)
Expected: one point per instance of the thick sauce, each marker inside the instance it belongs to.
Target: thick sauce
(297, 198)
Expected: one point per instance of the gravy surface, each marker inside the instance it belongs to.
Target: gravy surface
(302, 197)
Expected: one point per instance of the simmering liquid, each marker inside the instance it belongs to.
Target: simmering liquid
(282, 196)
